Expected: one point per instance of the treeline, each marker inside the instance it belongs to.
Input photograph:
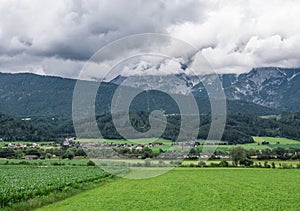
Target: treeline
(239, 127)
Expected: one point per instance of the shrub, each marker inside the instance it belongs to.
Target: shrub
(266, 165)
(214, 165)
(202, 164)
(223, 163)
(246, 162)
(161, 163)
(286, 166)
(90, 163)
(273, 165)
(147, 162)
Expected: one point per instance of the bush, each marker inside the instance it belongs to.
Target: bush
(273, 165)
(224, 163)
(266, 165)
(161, 163)
(57, 163)
(90, 163)
(246, 162)
(147, 162)
(214, 165)
(286, 166)
(192, 165)
(202, 164)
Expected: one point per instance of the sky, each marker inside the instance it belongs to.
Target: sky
(58, 37)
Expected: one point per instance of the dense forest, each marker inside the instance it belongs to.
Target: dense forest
(14, 129)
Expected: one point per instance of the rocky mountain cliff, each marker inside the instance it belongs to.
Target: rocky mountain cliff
(272, 87)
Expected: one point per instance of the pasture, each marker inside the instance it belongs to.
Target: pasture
(194, 189)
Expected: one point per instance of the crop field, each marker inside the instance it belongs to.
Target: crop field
(194, 189)
(45, 162)
(20, 183)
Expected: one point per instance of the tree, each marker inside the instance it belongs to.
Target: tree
(238, 155)
(297, 156)
(273, 165)
(48, 155)
(71, 155)
(68, 154)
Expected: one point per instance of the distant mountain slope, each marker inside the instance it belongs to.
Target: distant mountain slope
(27, 94)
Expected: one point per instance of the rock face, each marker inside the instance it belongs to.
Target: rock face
(273, 87)
(267, 86)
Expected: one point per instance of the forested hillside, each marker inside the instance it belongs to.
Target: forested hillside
(13, 129)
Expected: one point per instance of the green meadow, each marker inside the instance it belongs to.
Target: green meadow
(194, 189)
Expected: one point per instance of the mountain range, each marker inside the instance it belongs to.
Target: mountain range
(272, 87)
(47, 102)
(261, 91)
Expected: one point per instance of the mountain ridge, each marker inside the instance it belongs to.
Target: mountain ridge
(272, 87)
(26, 94)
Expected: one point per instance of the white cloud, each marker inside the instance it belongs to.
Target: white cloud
(59, 36)
(239, 35)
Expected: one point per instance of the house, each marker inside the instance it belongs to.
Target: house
(156, 144)
(139, 147)
(70, 139)
(34, 145)
(30, 157)
(21, 145)
(11, 145)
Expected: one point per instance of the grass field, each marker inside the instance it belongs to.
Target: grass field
(274, 140)
(194, 189)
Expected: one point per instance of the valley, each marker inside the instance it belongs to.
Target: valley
(37, 137)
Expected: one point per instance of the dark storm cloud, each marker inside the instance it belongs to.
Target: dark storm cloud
(77, 29)
(57, 37)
